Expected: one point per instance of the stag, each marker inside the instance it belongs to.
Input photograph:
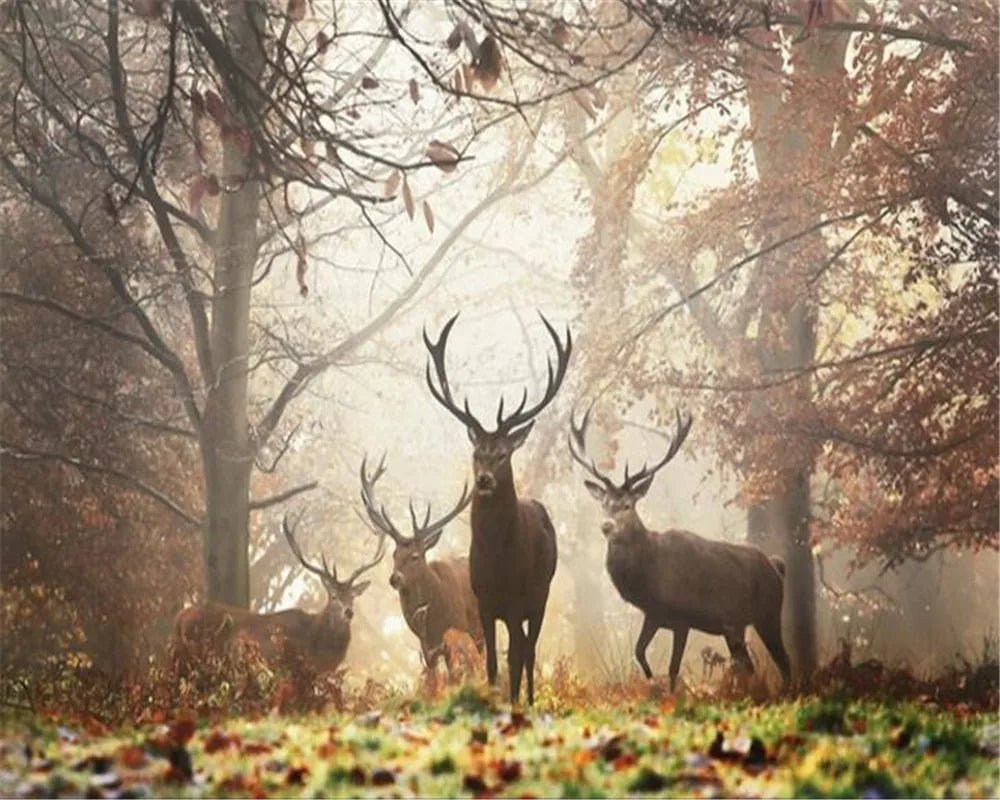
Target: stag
(512, 555)
(680, 580)
(318, 639)
(435, 596)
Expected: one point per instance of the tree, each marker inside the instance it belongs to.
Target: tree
(220, 130)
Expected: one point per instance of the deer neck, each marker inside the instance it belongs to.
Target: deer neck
(499, 509)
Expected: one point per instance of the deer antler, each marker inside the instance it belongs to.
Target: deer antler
(377, 515)
(683, 427)
(443, 395)
(423, 530)
(520, 415)
(324, 571)
(376, 558)
(578, 446)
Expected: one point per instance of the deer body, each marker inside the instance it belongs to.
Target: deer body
(682, 581)
(317, 639)
(321, 639)
(512, 555)
(440, 599)
(434, 596)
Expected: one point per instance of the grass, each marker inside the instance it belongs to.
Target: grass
(465, 744)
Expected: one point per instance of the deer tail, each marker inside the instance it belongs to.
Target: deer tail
(779, 564)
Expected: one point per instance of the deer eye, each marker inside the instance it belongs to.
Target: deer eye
(414, 556)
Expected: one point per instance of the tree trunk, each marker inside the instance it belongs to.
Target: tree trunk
(792, 137)
(226, 445)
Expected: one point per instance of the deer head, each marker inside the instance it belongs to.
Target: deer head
(340, 595)
(409, 560)
(492, 450)
(619, 500)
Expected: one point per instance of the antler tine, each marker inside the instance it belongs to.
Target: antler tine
(428, 526)
(555, 378)
(443, 394)
(578, 445)
(376, 558)
(377, 515)
(293, 545)
(683, 427)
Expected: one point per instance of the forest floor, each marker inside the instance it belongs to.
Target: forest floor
(466, 745)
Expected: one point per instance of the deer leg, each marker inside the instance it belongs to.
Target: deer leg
(770, 634)
(515, 658)
(736, 642)
(490, 638)
(534, 629)
(649, 629)
(676, 654)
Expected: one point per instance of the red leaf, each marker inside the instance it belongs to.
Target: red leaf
(216, 108)
(196, 191)
(182, 729)
(414, 91)
(444, 156)
(322, 42)
(559, 34)
(488, 63)
(428, 216)
(368, 82)
(392, 184)
(297, 10)
(408, 198)
(197, 104)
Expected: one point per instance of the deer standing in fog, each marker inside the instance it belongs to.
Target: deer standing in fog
(680, 580)
(435, 596)
(319, 639)
(512, 556)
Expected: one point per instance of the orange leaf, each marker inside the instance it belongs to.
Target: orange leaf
(392, 184)
(297, 10)
(444, 156)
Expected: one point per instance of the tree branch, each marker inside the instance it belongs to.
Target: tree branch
(281, 497)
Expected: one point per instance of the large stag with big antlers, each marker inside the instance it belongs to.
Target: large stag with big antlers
(680, 580)
(435, 596)
(512, 556)
(318, 639)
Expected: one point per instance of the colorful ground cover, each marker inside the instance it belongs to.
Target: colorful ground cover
(466, 746)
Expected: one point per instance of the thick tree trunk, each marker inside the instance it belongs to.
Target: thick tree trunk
(789, 139)
(226, 445)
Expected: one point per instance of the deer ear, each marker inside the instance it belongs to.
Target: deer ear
(596, 490)
(518, 437)
(431, 540)
(639, 490)
(358, 588)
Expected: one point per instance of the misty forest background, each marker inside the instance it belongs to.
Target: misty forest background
(224, 227)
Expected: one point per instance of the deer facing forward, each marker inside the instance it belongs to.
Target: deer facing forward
(680, 580)
(434, 596)
(512, 555)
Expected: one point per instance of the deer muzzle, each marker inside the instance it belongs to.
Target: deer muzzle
(396, 580)
(607, 527)
(485, 483)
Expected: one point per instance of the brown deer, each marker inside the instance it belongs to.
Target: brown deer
(435, 596)
(318, 639)
(512, 556)
(680, 580)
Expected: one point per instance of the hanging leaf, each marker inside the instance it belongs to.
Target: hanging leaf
(297, 10)
(322, 42)
(428, 216)
(468, 76)
(197, 104)
(408, 198)
(309, 147)
(216, 108)
(331, 154)
(456, 81)
(442, 155)
(598, 96)
(196, 191)
(300, 264)
(454, 38)
(392, 184)
(414, 91)
(368, 82)
(488, 63)
(462, 33)
(559, 34)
